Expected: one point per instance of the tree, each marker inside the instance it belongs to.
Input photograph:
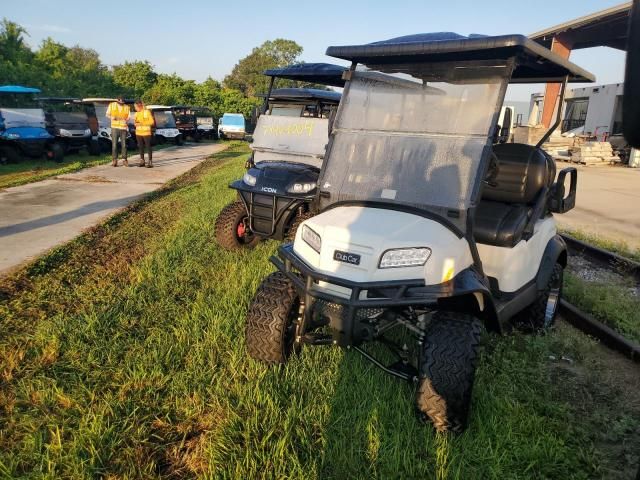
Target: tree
(135, 77)
(171, 90)
(247, 75)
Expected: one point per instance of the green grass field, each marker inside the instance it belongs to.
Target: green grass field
(122, 356)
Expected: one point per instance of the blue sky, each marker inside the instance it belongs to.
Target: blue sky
(200, 38)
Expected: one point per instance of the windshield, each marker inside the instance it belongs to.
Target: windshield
(18, 101)
(400, 140)
(101, 115)
(233, 120)
(164, 119)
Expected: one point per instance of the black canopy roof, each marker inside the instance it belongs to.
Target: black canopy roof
(305, 94)
(322, 73)
(59, 99)
(534, 64)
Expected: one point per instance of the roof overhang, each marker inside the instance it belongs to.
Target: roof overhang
(321, 73)
(606, 28)
(533, 63)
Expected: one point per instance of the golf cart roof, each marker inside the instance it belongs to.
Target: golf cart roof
(18, 89)
(534, 63)
(159, 107)
(298, 94)
(322, 73)
(128, 101)
(59, 99)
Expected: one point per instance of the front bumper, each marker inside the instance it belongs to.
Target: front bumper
(347, 315)
(269, 214)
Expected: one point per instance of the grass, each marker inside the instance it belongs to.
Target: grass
(614, 305)
(619, 247)
(122, 356)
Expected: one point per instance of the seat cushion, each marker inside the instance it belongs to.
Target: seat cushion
(500, 224)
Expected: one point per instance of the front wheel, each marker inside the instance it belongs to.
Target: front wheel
(541, 315)
(295, 224)
(272, 319)
(179, 140)
(232, 228)
(447, 370)
(93, 147)
(55, 152)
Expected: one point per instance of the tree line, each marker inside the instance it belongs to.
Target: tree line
(59, 70)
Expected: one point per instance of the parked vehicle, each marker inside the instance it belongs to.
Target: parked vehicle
(165, 129)
(289, 143)
(22, 126)
(426, 233)
(232, 126)
(100, 106)
(67, 119)
(205, 123)
(186, 122)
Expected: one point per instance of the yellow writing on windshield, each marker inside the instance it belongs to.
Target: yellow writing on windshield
(304, 128)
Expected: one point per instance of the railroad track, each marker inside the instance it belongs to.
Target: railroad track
(587, 323)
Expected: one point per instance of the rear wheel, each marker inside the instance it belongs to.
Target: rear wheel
(541, 314)
(232, 228)
(271, 321)
(447, 370)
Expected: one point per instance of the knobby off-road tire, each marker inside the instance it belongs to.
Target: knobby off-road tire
(541, 315)
(447, 370)
(226, 228)
(295, 224)
(270, 329)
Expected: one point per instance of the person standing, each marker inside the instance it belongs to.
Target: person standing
(118, 112)
(144, 121)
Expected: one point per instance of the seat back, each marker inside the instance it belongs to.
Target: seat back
(523, 171)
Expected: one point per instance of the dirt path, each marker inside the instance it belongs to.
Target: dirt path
(42, 215)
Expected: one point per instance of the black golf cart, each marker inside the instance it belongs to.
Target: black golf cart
(22, 126)
(288, 146)
(426, 232)
(205, 123)
(68, 120)
(186, 122)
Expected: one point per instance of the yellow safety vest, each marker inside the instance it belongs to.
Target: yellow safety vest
(144, 121)
(119, 115)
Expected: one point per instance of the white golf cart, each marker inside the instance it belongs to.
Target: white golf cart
(165, 125)
(426, 230)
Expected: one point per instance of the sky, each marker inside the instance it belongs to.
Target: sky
(199, 38)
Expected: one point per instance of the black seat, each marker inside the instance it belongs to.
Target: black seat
(507, 204)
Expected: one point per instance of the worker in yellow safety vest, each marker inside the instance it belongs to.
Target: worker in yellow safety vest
(144, 122)
(118, 112)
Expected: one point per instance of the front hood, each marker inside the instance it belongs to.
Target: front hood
(369, 232)
(278, 178)
(25, 133)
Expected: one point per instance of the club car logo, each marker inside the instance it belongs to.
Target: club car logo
(346, 257)
(269, 190)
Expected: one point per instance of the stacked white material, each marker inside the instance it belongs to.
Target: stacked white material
(593, 153)
(559, 147)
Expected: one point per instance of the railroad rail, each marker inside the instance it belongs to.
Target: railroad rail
(587, 323)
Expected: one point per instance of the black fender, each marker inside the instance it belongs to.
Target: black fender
(554, 252)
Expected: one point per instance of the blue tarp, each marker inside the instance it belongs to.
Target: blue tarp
(18, 89)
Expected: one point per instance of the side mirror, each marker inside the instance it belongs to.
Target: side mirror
(631, 105)
(558, 202)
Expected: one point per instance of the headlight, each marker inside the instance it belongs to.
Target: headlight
(65, 133)
(249, 179)
(301, 187)
(13, 136)
(405, 257)
(311, 238)
(87, 131)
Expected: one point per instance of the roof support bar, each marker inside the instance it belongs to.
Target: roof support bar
(546, 136)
